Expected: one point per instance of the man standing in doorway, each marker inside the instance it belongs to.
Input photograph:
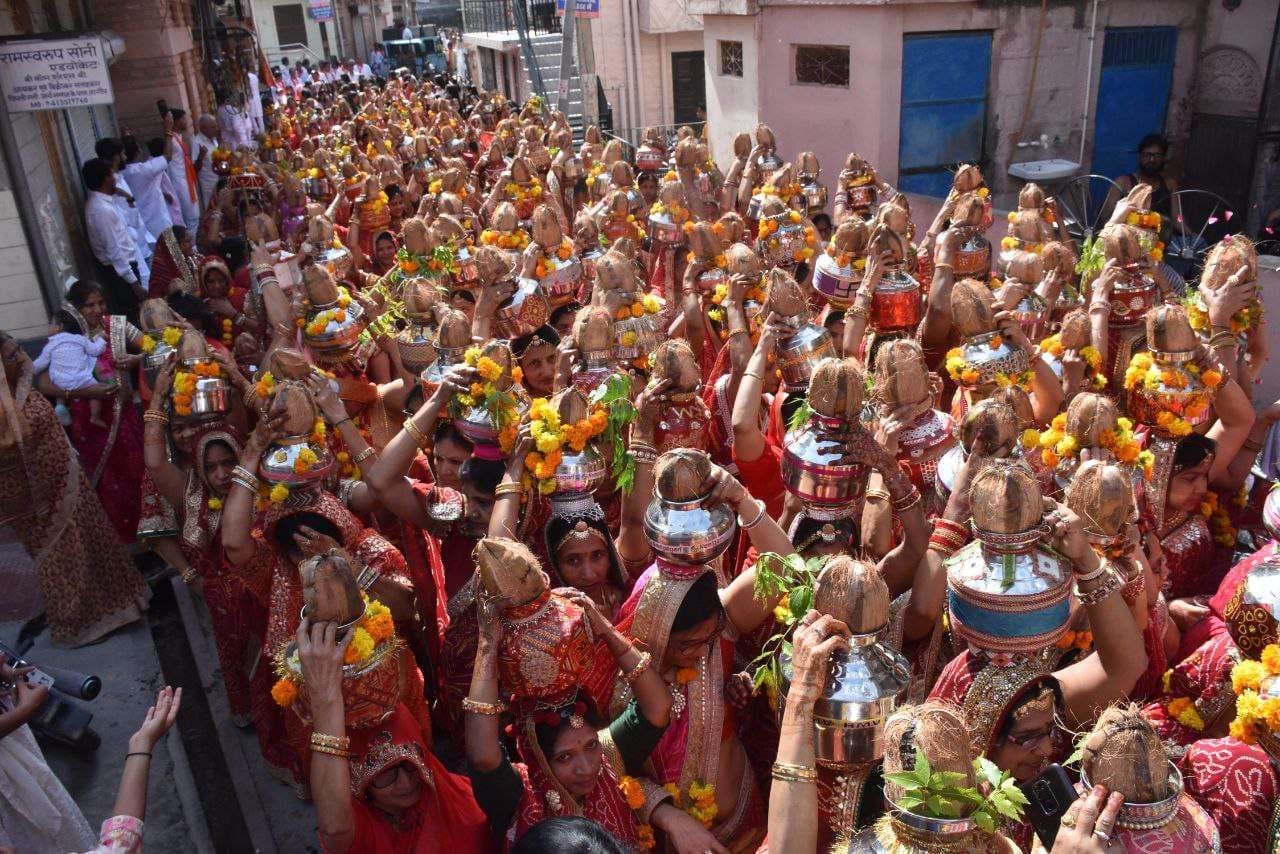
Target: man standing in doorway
(111, 241)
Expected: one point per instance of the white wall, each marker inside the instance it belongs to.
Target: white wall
(733, 103)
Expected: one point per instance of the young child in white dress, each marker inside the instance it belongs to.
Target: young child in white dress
(70, 358)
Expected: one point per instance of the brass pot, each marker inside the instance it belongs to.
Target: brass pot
(799, 354)
(524, 311)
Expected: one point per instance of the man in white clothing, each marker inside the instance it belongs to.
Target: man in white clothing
(144, 174)
(233, 123)
(182, 172)
(111, 150)
(407, 32)
(111, 240)
(254, 97)
(206, 140)
(363, 71)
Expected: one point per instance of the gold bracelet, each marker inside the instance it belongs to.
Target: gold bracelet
(336, 742)
(418, 437)
(906, 502)
(155, 415)
(363, 455)
(510, 488)
(332, 751)
(189, 575)
(882, 494)
(634, 673)
(858, 311)
(1252, 446)
(753, 374)
(787, 773)
(480, 707)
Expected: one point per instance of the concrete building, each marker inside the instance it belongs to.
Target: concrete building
(918, 85)
(157, 54)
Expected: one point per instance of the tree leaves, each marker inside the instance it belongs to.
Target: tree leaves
(614, 394)
(801, 416)
(941, 794)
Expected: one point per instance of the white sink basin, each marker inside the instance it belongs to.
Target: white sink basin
(1043, 170)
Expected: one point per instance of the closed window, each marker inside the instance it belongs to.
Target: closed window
(822, 65)
(291, 27)
(731, 59)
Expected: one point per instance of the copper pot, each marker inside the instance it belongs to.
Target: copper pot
(896, 302)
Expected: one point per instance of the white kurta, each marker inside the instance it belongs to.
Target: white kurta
(178, 177)
(36, 813)
(146, 180)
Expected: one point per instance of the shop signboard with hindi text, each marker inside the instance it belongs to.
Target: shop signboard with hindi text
(54, 74)
(322, 10)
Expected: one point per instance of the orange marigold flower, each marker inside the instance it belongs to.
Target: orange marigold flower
(284, 693)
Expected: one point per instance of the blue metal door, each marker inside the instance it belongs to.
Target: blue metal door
(1133, 94)
(944, 107)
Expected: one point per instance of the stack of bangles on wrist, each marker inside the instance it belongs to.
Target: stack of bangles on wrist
(858, 310)
(641, 666)
(419, 438)
(947, 537)
(511, 487)
(759, 517)
(1100, 307)
(785, 772)
(908, 500)
(1109, 581)
(363, 455)
(155, 415)
(479, 707)
(334, 745)
(241, 476)
(643, 452)
(1219, 340)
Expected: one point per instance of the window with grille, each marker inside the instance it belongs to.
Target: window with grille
(822, 65)
(731, 59)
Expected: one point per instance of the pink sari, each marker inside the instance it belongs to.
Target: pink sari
(112, 456)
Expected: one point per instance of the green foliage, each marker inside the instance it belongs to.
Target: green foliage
(789, 581)
(941, 794)
(1092, 257)
(614, 394)
(801, 416)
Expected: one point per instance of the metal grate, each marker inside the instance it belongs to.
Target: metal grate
(1139, 46)
(821, 65)
(731, 59)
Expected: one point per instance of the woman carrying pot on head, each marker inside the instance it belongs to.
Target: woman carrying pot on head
(383, 791)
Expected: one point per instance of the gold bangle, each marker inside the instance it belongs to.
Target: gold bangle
(479, 707)
(364, 455)
(155, 415)
(882, 494)
(906, 502)
(509, 488)
(418, 437)
(634, 673)
(787, 773)
(733, 332)
(753, 374)
(189, 575)
(332, 751)
(1252, 446)
(336, 742)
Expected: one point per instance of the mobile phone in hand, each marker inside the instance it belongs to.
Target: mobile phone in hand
(1048, 798)
(38, 678)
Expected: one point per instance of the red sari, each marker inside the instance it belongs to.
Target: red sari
(446, 817)
(1236, 783)
(112, 456)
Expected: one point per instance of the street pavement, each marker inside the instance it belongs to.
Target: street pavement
(209, 790)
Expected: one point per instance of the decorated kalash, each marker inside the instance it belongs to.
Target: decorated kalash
(527, 479)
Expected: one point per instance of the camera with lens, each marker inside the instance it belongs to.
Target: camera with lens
(60, 718)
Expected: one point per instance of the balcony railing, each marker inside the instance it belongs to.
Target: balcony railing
(499, 16)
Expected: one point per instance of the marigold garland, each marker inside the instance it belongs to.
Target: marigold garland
(550, 437)
(1244, 320)
(499, 403)
(517, 240)
(845, 259)
(1175, 416)
(374, 629)
(1256, 717)
(1056, 445)
(966, 373)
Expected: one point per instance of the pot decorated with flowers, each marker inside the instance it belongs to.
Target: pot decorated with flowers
(376, 668)
(784, 239)
(669, 217)
(1224, 261)
(200, 391)
(1167, 389)
(565, 460)
(651, 156)
(858, 182)
(161, 332)
(1093, 424)
(839, 269)
(488, 414)
(332, 322)
(707, 251)
(301, 458)
(986, 357)
(618, 220)
(556, 268)
(973, 256)
(522, 188)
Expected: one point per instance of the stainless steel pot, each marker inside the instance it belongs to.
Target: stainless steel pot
(799, 354)
(687, 532)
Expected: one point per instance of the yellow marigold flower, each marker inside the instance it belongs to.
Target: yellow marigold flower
(1030, 437)
(490, 370)
(782, 614)
(1242, 733)
(360, 648)
(1248, 706)
(148, 343)
(172, 335)
(651, 304)
(548, 442)
(547, 485)
(279, 493)
(644, 837)
(674, 791)
(1247, 674)
(472, 356)
(1271, 659)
